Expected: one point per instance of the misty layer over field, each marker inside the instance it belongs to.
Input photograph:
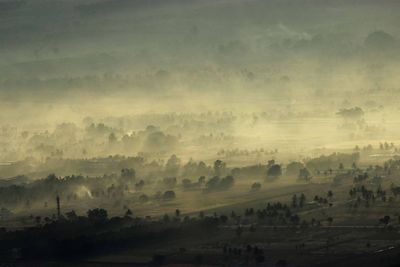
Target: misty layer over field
(80, 80)
(199, 79)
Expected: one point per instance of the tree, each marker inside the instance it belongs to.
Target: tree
(128, 213)
(295, 219)
(38, 220)
(302, 200)
(223, 218)
(233, 214)
(255, 187)
(202, 180)
(202, 168)
(270, 163)
(379, 40)
(293, 168)
(216, 183)
(239, 231)
(294, 201)
(128, 174)
(139, 185)
(166, 218)
(112, 138)
(143, 198)
(341, 167)
(219, 167)
(385, 220)
(173, 165)
(274, 171)
(186, 183)
(213, 182)
(97, 215)
(71, 215)
(169, 182)
(226, 183)
(169, 195)
(304, 175)
(355, 113)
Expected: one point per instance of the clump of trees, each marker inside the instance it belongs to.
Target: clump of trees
(97, 215)
(360, 178)
(219, 184)
(351, 113)
(368, 196)
(219, 167)
(321, 200)
(169, 195)
(293, 168)
(61, 238)
(276, 213)
(298, 202)
(187, 184)
(331, 162)
(304, 175)
(169, 182)
(274, 170)
(255, 187)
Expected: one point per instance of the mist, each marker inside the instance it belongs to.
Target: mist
(224, 132)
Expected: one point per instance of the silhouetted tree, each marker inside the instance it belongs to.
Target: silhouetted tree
(294, 201)
(97, 215)
(128, 213)
(71, 215)
(169, 195)
(304, 175)
(274, 171)
(219, 167)
(255, 187)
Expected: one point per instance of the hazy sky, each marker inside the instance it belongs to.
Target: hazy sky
(212, 52)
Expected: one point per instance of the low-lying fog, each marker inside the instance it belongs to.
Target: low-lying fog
(200, 79)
